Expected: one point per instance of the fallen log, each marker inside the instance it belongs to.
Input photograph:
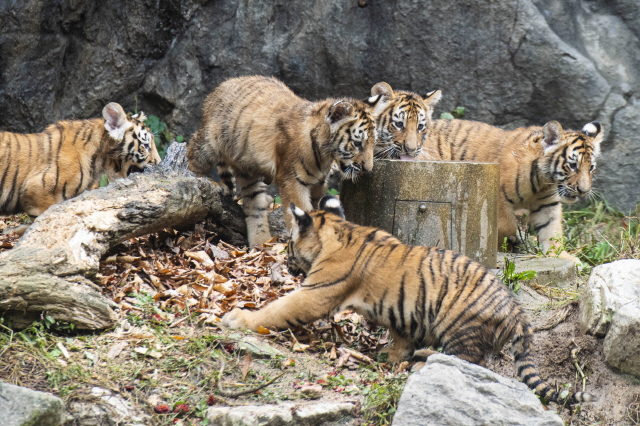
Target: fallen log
(50, 267)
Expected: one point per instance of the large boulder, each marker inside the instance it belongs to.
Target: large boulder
(509, 63)
(610, 286)
(610, 305)
(25, 407)
(622, 344)
(450, 391)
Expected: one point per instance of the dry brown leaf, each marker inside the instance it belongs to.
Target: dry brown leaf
(201, 256)
(184, 290)
(127, 258)
(264, 331)
(237, 253)
(246, 364)
(224, 288)
(299, 347)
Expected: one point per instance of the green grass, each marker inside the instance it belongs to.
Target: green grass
(598, 233)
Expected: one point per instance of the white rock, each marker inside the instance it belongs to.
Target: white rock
(610, 286)
(622, 344)
(322, 414)
(21, 406)
(448, 391)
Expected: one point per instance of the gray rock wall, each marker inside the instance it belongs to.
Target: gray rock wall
(510, 63)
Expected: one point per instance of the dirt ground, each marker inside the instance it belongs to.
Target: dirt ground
(171, 346)
(618, 394)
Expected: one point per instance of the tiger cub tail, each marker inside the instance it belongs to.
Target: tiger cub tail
(522, 348)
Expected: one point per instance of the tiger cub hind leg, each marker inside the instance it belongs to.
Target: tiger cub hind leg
(226, 180)
(255, 203)
(399, 347)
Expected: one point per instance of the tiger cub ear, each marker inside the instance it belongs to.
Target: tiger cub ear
(594, 130)
(381, 95)
(433, 97)
(115, 121)
(331, 204)
(140, 116)
(340, 113)
(302, 220)
(551, 135)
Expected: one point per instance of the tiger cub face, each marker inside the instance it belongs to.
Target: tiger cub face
(135, 146)
(304, 242)
(402, 121)
(352, 137)
(570, 158)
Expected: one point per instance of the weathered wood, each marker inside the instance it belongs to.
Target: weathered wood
(49, 267)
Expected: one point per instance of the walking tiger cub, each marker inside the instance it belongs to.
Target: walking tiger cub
(403, 120)
(540, 168)
(256, 129)
(41, 169)
(426, 296)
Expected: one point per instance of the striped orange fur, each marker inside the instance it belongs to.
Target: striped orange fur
(540, 168)
(257, 130)
(402, 119)
(69, 157)
(426, 296)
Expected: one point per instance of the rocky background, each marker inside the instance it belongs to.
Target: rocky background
(510, 63)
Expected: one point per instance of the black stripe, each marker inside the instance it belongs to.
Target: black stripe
(504, 192)
(401, 304)
(545, 206)
(254, 194)
(13, 189)
(316, 148)
(392, 321)
(538, 228)
(533, 176)
(81, 181)
(6, 170)
(518, 184)
(530, 376)
(301, 182)
(524, 367)
(55, 186)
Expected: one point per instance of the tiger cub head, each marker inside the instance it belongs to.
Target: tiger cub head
(570, 158)
(402, 121)
(352, 137)
(304, 242)
(133, 143)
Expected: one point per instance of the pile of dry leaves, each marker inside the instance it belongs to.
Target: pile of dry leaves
(188, 275)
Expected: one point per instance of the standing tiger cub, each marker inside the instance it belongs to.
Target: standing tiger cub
(540, 168)
(403, 120)
(426, 296)
(256, 129)
(41, 169)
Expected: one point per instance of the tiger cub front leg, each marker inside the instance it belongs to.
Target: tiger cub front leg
(296, 193)
(507, 223)
(255, 203)
(298, 308)
(547, 222)
(399, 348)
(317, 192)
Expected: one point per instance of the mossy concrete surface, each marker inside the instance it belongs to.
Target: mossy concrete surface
(452, 205)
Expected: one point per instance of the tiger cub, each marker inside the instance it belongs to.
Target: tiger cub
(402, 119)
(540, 168)
(426, 296)
(256, 129)
(41, 169)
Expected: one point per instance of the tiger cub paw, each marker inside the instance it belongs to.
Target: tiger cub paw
(236, 319)
(565, 255)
